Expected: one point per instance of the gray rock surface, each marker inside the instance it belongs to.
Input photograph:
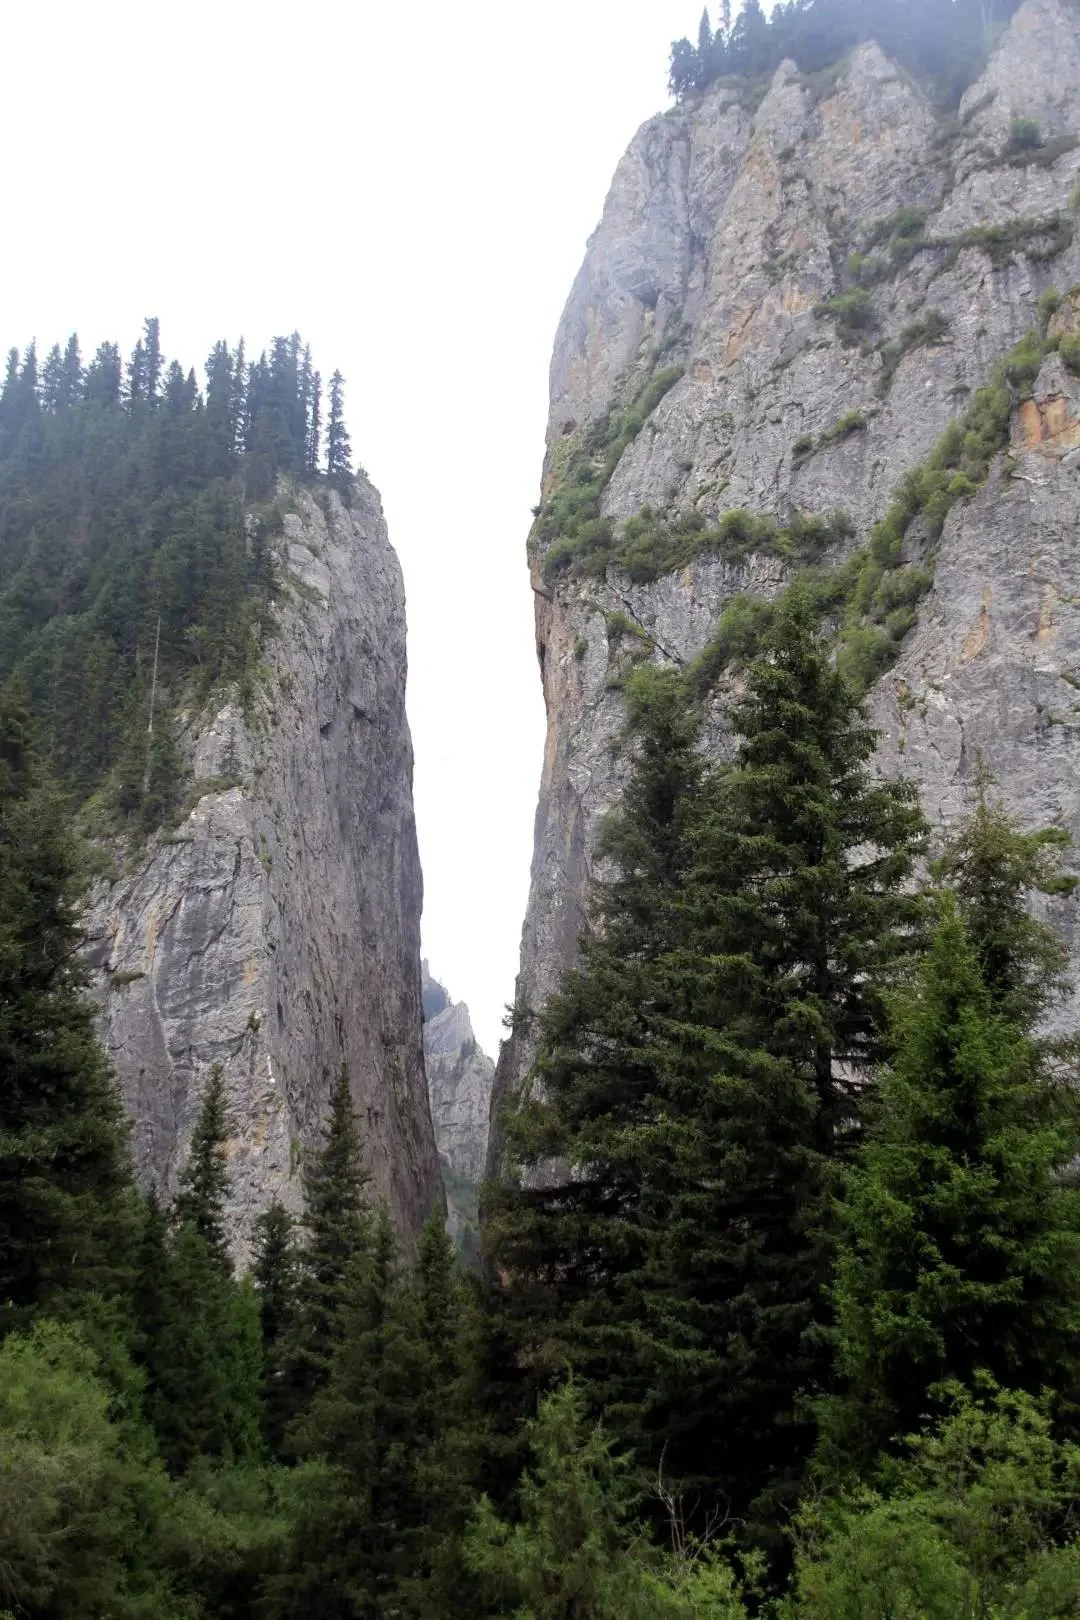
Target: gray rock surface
(274, 930)
(723, 230)
(459, 1078)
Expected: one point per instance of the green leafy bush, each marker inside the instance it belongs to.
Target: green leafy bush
(1023, 137)
(927, 331)
(853, 313)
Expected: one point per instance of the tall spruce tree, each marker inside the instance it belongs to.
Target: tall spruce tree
(64, 1170)
(204, 1180)
(275, 1277)
(392, 1438)
(338, 447)
(336, 1228)
(699, 1072)
(203, 1358)
(961, 1218)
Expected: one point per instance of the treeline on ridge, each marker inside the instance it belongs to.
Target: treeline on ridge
(782, 1311)
(945, 43)
(136, 517)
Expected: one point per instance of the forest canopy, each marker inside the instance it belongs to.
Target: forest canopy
(136, 515)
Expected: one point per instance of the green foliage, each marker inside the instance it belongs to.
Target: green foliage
(128, 545)
(202, 1340)
(568, 523)
(384, 1496)
(336, 1231)
(275, 1274)
(651, 546)
(976, 1522)
(853, 313)
(573, 1552)
(962, 1228)
(806, 446)
(64, 1172)
(1024, 136)
(204, 1180)
(1037, 239)
(927, 331)
(691, 1075)
(946, 49)
(76, 1501)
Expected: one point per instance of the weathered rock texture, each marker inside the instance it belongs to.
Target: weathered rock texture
(459, 1082)
(275, 930)
(724, 229)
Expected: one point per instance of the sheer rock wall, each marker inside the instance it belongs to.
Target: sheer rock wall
(724, 229)
(275, 929)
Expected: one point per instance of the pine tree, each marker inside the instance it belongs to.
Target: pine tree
(154, 358)
(72, 383)
(311, 461)
(961, 1219)
(64, 1171)
(204, 1360)
(338, 447)
(336, 1227)
(204, 1181)
(699, 1075)
(992, 867)
(275, 1278)
(393, 1435)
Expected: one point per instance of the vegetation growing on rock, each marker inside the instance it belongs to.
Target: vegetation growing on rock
(137, 517)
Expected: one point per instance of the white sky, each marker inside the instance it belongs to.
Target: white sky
(411, 186)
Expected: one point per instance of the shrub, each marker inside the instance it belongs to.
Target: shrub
(1023, 137)
(852, 311)
(923, 333)
(1069, 350)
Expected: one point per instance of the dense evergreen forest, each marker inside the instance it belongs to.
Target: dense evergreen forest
(136, 519)
(945, 43)
(789, 1324)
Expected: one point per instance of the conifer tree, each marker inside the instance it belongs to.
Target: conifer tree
(338, 447)
(336, 1228)
(51, 378)
(275, 1277)
(311, 460)
(64, 1170)
(204, 1181)
(204, 1362)
(961, 1219)
(72, 380)
(393, 1435)
(698, 1077)
(154, 358)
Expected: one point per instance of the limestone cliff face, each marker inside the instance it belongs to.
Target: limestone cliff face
(725, 228)
(459, 1087)
(275, 930)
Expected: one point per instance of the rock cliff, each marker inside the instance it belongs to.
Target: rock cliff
(784, 308)
(459, 1087)
(274, 929)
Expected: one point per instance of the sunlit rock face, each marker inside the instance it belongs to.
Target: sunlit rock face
(274, 930)
(725, 228)
(459, 1086)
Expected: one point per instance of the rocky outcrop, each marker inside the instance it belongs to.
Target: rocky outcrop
(726, 229)
(274, 929)
(459, 1087)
